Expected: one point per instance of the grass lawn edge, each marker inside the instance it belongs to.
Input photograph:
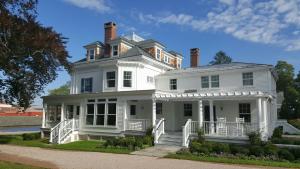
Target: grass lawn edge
(233, 161)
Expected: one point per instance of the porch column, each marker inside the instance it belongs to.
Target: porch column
(44, 115)
(259, 112)
(265, 113)
(200, 113)
(153, 112)
(62, 111)
(211, 115)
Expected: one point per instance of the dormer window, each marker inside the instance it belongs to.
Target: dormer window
(158, 54)
(115, 50)
(166, 59)
(92, 54)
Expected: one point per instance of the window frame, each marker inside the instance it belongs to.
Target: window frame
(150, 79)
(158, 54)
(115, 50)
(159, 107)
(213, 82)
(248, 78)
(244, 111)
(132, 113)
(187, 109)
(110, 79)
(127, 78)
(93, 54)
(204, 82)
(173, 84)
(86, 88)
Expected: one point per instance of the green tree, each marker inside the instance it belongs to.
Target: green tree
(285, 74)
(30, 54)
(62, 90)
(221, 58)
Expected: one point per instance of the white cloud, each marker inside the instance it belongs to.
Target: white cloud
(269, 22)
(97, 5)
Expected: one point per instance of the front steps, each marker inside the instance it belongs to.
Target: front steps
(170, 139)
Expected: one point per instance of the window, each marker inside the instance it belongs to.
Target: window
(173, 84)
(214, 80)
(150, 79)
(100, 114)
(70, 111)
(111, 114)
(90, 114)
(205, 82)
(92, 54)
(86, 85)
(111, 79)
(115, 50)
(158, 54)
(158, 108)
(188, 110)
(132, 110)
(166, 59)
(248, 79)
(127, 76)
(245, 111)
(77, 110)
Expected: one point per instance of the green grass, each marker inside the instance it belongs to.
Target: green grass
(10, 165)
(94, 146)
(234, 161)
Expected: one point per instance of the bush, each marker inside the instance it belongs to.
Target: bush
(271, 150)
(234, 149)
(149, 131)
(295, 152)
(277, 133)
(200, 133)
(256, 151)
(148, 140)
(196, 147)
(286, 154)
(31, 136)
(254, 138)
(220, 148)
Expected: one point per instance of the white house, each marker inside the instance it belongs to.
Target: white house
(127, 84)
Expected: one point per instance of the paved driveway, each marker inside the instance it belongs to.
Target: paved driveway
(90, 160)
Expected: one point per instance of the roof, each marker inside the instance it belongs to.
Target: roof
(94, 43)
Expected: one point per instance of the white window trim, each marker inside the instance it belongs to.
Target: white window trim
(156, 53)
(105, 79)
(207, 82)
(112, 50)
(127, 79)
(93, 55)
(171, 84)
(214, 81)
(247, 79)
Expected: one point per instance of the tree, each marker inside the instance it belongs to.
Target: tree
(285, 74)
(221, 58)
(62, 90)
(30, 54)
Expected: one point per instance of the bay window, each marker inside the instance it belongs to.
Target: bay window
(127, 79)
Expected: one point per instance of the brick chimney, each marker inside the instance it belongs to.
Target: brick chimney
(110, 33)
(194, 52)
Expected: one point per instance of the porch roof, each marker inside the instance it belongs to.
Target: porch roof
(211, 94)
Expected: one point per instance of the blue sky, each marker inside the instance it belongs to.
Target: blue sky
(262, 31)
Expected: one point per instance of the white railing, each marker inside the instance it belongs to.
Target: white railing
(137, 124)
(62, 130)
(186, 132)
(228, 129)
(159, 129)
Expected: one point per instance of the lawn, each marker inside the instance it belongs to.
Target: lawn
(95, 146)
(9, 165)
(234, 161)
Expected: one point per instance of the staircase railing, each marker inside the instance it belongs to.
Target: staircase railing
(186, 132)
(54, 132)
(62, 130)
(159, 129)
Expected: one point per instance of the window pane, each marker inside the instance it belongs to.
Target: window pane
(132, 110)
(101, 108)
(90, 109)
(205, 82)
(127, 76)
(188, 109)
(111, 108)
(111, 120)
(89, 119)
(215, 81)
(110, 76)
(173, 84)
(248, 79)
(100, 120)
(158, 108)
(245, 111)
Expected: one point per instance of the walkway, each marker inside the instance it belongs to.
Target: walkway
(90, 160)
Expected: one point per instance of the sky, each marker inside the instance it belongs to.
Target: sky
(254, 31)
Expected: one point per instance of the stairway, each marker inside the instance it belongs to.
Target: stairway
(170, 139)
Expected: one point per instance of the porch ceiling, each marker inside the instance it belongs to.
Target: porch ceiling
(212, 95)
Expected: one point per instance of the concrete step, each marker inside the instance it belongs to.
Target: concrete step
(169, 143)
(171, 136)
(171, 140)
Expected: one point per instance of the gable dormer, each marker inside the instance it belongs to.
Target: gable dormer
(94, 51)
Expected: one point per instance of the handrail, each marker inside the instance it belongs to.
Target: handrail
(54, 132)
(159, 130)
(186, 132)
(60, 131)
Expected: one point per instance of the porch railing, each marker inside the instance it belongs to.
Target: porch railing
(54, 132)
(137, 124)
(186, 132)
(63, 129)
(159, 129)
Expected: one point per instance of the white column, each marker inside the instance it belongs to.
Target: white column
(200, 113)
(153, 112)
(62, 115)
(81, 114)
(259, 112)
(211, 115)
(44, 115)
(125, 107)
(265, 115)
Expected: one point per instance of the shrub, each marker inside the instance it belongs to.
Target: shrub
(234, 149)
(254, 138)
(286, 154)
(221, 148)
(277, 133)
(31, 136)
(139, 142)
(148, 140)
(256, 151)
(198, 148)
(183, 151)
(295, 152)
(270, 149)
(149, 131)
(200, 133)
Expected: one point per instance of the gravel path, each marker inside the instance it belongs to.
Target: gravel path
(90, 160)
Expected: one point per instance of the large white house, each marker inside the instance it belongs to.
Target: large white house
(127, 84)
